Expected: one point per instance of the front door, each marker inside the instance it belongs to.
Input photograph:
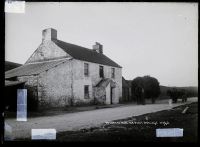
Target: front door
(111, 95)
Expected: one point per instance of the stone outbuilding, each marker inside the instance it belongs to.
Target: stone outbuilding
(126, 90)
(10, 65)
(60, 74)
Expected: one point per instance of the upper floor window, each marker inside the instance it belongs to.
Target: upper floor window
(86, 91)
(86, 69)
(112, 72)
(101, 74)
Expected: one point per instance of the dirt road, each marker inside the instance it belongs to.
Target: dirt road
(86, 119)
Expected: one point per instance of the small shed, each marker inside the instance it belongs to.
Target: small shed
(10, 94)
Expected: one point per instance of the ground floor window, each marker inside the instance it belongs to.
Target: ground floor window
(86, 91)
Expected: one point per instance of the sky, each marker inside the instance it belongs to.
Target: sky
(156, 39)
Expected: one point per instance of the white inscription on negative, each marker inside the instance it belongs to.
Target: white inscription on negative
(14, 6)
(43, 134)
(169, 132)
(21, 104)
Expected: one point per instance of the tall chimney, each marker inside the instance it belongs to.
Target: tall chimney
(98, 48)
(49, 34)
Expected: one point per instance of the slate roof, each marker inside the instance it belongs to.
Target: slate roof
(85, 54)
(10, 65)
(32, 69)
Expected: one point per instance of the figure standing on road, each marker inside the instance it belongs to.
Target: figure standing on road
(140, 95)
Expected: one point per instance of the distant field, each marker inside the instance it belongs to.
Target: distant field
(192, 89)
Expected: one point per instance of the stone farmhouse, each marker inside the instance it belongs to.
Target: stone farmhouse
(60, 74)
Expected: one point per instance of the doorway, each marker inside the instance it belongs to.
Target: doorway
(111, 95)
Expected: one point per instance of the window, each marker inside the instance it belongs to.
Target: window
(101, 74)
(112, 72)
(86, 91)
(86, 69)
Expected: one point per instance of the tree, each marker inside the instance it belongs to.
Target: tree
(151, 88)
(136, 88)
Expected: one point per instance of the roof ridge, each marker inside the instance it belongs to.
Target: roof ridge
(73, 44)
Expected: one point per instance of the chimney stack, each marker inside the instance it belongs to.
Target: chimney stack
(49, 34)
(98, 48)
